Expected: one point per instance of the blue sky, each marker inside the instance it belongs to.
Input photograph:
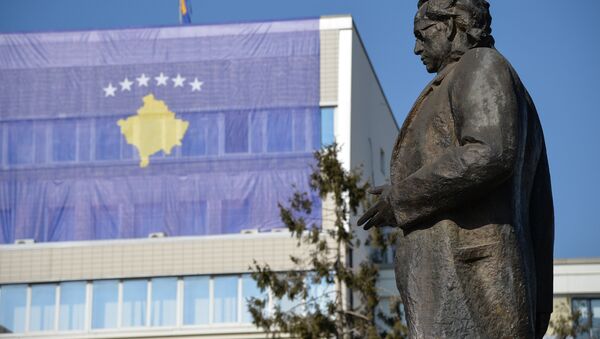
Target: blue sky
(554, 46)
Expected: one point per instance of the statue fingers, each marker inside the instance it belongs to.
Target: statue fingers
(370, 213)
(378, 220)
(367, 215)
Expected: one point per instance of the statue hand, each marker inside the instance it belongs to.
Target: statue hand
(381, 214)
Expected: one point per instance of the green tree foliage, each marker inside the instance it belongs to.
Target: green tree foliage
(326, 312)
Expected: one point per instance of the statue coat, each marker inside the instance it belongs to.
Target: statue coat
(470, 187)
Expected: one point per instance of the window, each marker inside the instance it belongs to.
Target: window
(164, 299)
(194, 141)
(225, 299)
(13, 299)
(20, 143)
(302, 130)
(595, 308)
(391, 308)
(135, 294)
(249, 290)
(72, 306)
(196, 300)
(108, 139)
(279, 131)
(590, 315)
(327, 135)
(236, 132)
(104, 304)
(64, 139)
(320, 294)
(43, 304)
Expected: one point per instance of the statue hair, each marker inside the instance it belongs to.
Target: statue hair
(472, 19)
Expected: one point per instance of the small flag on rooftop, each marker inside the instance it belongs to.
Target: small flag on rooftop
(185, 11)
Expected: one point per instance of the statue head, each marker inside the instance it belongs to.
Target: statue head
(446, 29)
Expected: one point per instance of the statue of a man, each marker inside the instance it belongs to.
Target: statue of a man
(470, 189)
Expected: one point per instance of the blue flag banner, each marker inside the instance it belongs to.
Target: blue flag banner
(185, 11)
(193, 130)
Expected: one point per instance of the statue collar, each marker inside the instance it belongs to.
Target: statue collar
(442, 74)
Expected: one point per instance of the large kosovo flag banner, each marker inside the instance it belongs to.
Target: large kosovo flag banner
(190, 130)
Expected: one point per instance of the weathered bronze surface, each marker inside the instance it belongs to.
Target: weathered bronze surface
(470, 189)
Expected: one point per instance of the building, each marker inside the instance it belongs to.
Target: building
(577, 288)
(126, 275)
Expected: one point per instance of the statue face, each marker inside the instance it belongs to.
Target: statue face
(432, 43)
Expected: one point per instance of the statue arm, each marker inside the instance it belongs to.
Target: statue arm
(485, 107)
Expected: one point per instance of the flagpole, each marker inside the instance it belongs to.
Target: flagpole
(179, 12)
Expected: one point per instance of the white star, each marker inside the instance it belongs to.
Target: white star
(143, 80)
(161, 80)
(196, 85)
(126, 85)
(178, 81)
(109, 91)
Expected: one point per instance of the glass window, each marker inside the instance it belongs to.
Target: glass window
(196, 300)
(595, 303)
(225, 299)
(72, 306)
(134, 303)
(108, 139)
(590, 316)
(194, 141)
(104, 304)
(301, 130)
(64, 138)
(250, 290)
(320, 293)
(236, 132)
(84, 136)
(581, 305)
(327, 136)
(43, 304)
(21, 143)
(279, 131)
(13, 299)
(288, 305)
(164, 300)
(257, 131)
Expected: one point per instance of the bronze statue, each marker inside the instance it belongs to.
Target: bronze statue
(470, 189)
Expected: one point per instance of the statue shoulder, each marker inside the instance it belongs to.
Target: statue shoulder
(483, 65)
(483, 58)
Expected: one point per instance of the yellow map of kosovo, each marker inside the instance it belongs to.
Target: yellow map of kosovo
(153, 129)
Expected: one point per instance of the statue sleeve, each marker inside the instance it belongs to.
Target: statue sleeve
(485, 108)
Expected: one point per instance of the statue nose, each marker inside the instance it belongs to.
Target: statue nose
(418, 47)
